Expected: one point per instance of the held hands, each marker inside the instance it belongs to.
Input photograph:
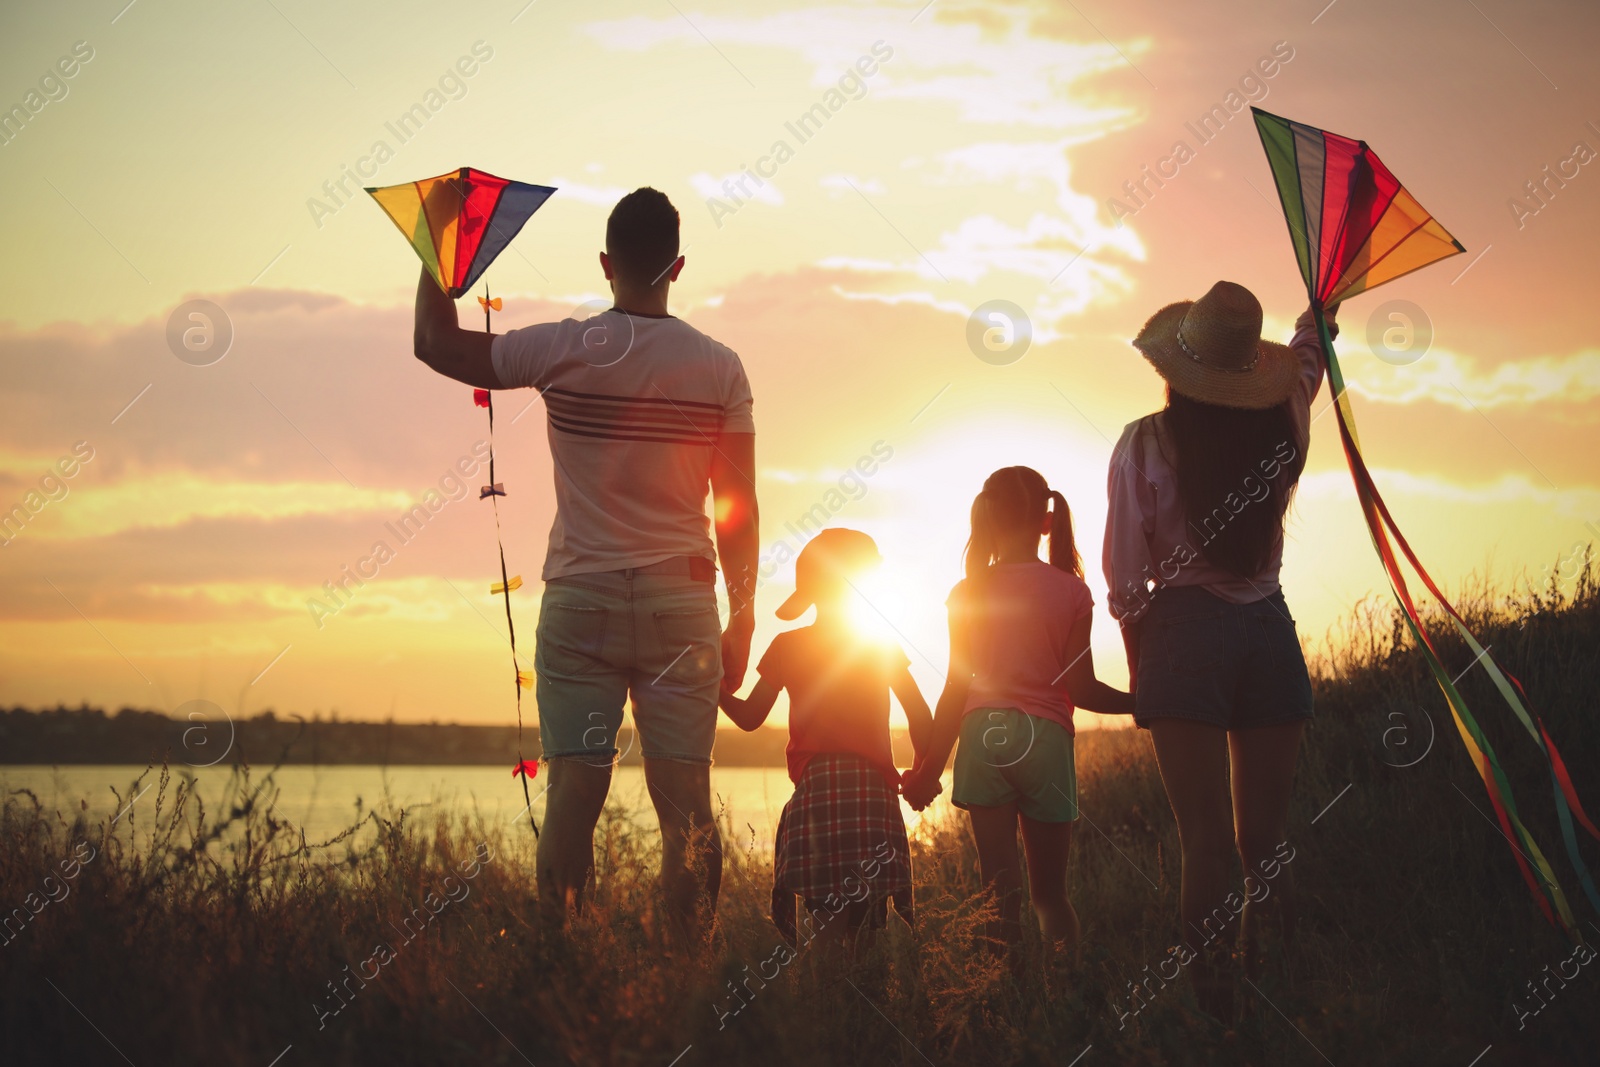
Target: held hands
(736, 649)
(919, 786)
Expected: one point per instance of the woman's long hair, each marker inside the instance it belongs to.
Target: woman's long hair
(1227, 453)
(1013, 503)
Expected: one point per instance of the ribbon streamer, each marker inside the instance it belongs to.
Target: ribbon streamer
(1539, 876)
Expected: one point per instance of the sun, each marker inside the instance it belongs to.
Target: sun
(876, 601)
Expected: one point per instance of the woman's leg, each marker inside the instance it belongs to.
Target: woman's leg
(1049, 844)
(1263, 759)
(995, 831)
(1193, 757)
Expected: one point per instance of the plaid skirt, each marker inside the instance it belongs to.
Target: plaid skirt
(841, 840)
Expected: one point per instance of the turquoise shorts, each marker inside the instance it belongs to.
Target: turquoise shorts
(606, 638)
(1007, 756)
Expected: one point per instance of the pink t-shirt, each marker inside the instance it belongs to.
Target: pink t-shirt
(1018, 618)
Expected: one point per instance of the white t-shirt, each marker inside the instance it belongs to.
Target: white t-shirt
(635, 407)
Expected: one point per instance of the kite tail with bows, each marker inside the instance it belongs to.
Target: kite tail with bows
(521, 679)
(1535, 868)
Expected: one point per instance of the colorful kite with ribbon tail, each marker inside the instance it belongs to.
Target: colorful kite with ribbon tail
(1354, 227)
(457, 224)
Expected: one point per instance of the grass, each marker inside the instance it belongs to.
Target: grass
(222, 939)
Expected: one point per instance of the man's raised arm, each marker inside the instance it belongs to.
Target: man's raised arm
(733, 492)
(442, 344)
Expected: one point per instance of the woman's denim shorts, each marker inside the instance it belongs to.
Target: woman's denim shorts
(1209, 660)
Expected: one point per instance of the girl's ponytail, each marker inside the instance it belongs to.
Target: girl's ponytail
(1063, 547)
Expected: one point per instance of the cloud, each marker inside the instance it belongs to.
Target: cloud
(170, 498)
(860, 264)
(605, 196)
(990, 63)
(984, 61)
(951, 307)
(313, 389)
(728, 188)
(1457, 381)
(1064, 276)
(849, 183)
(1581, 503)
(825, 476)
(1069, 249)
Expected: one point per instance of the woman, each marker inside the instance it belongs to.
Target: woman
(1194, 542)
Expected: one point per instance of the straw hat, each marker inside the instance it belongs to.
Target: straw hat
(1211, 350)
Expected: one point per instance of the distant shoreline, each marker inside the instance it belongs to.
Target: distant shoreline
(87, 736)
(91, 737)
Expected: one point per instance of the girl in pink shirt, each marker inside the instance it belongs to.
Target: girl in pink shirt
(1019, 664)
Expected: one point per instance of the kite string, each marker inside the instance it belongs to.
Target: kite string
(505, 587)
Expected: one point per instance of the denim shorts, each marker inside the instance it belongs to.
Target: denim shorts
(605, 637)
(1208, 660)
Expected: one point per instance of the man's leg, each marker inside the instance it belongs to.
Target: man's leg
(576, 794)
(691, 846)
(580, 692)
(677, 672)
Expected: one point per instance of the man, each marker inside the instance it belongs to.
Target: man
(644, 413)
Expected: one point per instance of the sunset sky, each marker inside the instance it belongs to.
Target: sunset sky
(197, 151)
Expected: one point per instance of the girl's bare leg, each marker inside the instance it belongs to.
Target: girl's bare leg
(995, 831)
(1049, 844)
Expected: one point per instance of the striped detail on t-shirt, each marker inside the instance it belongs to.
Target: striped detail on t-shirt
(633, 418)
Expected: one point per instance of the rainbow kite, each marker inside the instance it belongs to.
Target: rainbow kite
(459, 234)
(1354, 226)
(457, 224)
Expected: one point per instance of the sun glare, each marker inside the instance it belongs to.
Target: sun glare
(875, 602)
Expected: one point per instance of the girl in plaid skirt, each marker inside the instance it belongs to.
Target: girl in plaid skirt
(841, 844)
